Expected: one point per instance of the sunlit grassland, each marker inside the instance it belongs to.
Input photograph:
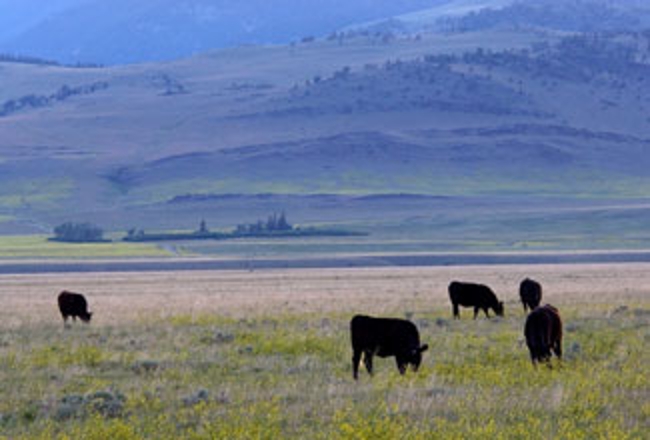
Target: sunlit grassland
(355, 181)
(33, 246)
(39, 192)
(267, 355)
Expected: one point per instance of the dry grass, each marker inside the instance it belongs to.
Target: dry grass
(123, 297)
(270, 351)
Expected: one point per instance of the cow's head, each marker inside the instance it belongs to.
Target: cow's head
(415, 356)
(498, 308)
(85, 317)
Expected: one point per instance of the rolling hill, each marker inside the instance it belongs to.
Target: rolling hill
(512, 119)
(555, 15)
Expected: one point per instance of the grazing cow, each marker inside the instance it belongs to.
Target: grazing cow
(530, 292)
(543, 331)
(385, 337)
(474, 295)
(75, 305)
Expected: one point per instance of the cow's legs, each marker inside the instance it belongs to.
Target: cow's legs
(475, 312)
(367, 360)
(65, 321)
(456, 311)
(401, 365)
(356, 360)
(557, 349)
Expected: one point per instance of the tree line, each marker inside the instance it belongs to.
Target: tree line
(275, 225)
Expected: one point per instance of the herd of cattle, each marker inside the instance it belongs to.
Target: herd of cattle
(387, 337)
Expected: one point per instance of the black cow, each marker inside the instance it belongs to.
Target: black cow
(75, 305)
(530, 292)
(543, 331)
(474, 295)
(385, 337)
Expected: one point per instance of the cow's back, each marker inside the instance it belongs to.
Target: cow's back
(387, 335)
(530, 292)
(71, 304)
(542, 330)
(471, 294)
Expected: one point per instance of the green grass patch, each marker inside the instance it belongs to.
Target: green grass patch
(63, 356)
(35, 246)
(209, 376)
(35, 193)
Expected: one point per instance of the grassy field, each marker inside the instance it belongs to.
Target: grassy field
(267, 355)
(37, 246)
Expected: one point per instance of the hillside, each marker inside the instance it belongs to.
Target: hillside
(475, 15)
(496, 116)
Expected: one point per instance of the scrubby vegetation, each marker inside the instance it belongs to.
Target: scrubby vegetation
(503, 82)
(574, 16)
(64, 93)
(285, 373)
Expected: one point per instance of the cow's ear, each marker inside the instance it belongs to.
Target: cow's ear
(425, 347)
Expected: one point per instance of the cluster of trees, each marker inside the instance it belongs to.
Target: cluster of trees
(383, 32)
(8, 58)
(78, 233)
(576, 16)
(134, 234)
(23, 59)
(36, 101)
(274, 223)
(203, 232)
(171, 86)
(384, 36)
(606, 60)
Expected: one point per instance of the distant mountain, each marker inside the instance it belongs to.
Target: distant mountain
(124, 31)
(17, 17)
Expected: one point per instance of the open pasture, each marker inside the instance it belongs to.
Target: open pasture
(266, 354)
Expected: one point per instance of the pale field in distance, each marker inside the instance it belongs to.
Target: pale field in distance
(264, 354)
(119, 298)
